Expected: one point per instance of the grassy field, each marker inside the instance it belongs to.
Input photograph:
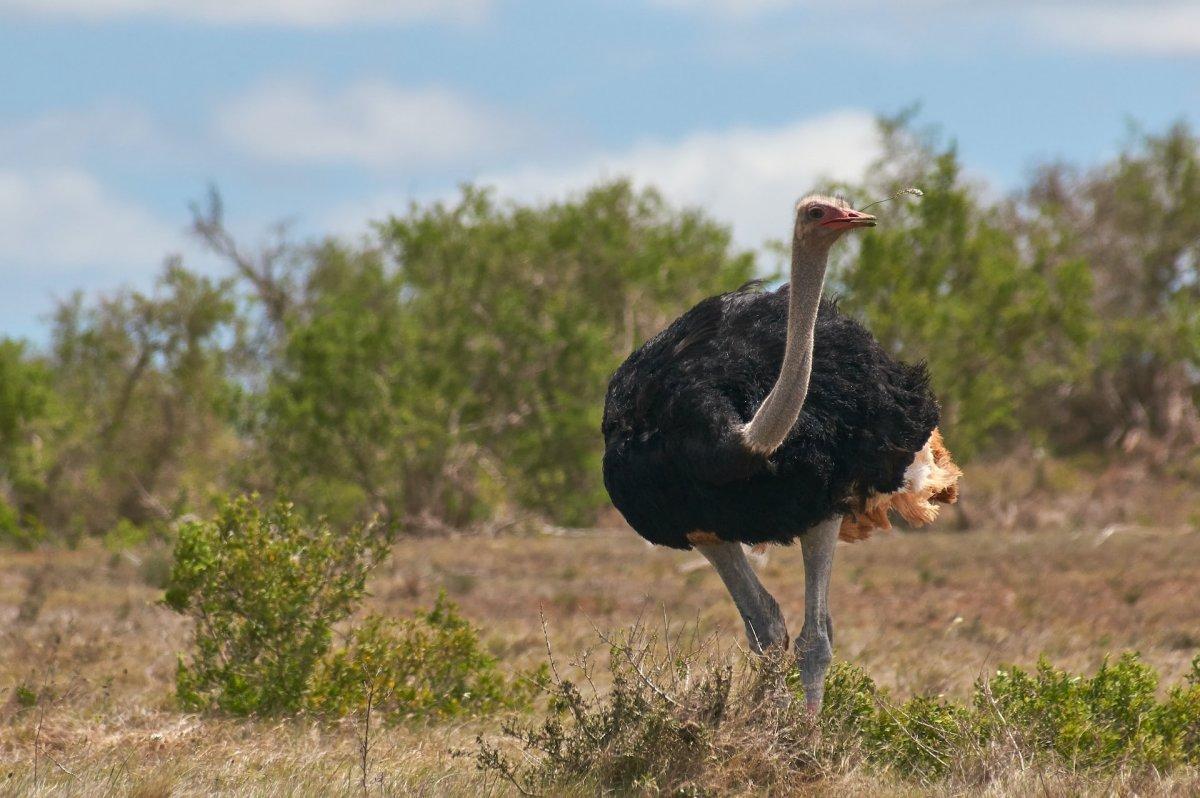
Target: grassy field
(922, 612)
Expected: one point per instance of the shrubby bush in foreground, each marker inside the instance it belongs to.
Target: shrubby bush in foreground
(693, 723)
(1112, 719)
(267, 589)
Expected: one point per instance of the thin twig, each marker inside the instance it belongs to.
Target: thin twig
(638, 670)
(987, 692)
(364, 745)
(59, 765)
(549, 653)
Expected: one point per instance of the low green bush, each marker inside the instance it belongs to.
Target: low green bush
(430, 665)
(1112, 719)
(266, 589)
(18, 532)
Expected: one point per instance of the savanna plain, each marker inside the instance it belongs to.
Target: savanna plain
(332, 522)
(1077, 580)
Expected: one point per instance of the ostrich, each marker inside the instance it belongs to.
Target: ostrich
(762, 417)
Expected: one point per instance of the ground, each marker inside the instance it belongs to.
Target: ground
(922, 612)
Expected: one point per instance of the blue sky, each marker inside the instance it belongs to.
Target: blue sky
(114, 114)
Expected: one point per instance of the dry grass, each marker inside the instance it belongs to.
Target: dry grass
(923, 612)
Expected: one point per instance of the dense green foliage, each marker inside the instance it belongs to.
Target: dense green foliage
(431, 665)
(450, 369)
(945, 280)
(128, 417)
(266, 592)
(462, 364)
(690, 722)
(1112, 719)
(24, 396)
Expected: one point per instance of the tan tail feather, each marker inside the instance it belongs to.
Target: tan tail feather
(916, 506)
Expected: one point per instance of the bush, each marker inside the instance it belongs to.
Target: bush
(24, 401)
(1113, 719)
(138, 426)
(16, 531)
(692, 723)
(431, 665)
(266, 590)
(1135, 223)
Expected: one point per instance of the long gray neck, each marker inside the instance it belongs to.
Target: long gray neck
(779, 411)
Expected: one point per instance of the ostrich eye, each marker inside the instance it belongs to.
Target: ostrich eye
(816, 213)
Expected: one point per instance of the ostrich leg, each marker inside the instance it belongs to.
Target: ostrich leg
(765, 626)
(814, 646)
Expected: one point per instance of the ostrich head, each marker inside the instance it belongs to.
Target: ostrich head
(821, 220)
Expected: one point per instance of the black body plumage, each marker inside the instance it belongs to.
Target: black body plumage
(674, 462)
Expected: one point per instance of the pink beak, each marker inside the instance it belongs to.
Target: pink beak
(849, 219)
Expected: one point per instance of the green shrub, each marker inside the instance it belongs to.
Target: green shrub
(1110, 720)
(922, 737)
(17, 532)
(431, 665)
(25, 401)
(265, 590)
(126, 535)
(1179, 719)
(25, 696)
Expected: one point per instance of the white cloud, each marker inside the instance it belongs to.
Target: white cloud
(1170, 28)
(70, 134)
(295, 13)
(750, 177)
(63, 220)
(62, 231)
(1147, 27)
(728, 7)
(61, 228)
(370, 124)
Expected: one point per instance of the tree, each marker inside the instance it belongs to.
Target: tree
(458, 369)
(944, 279)
(25, 400)
(144, 399)
(1136, 223)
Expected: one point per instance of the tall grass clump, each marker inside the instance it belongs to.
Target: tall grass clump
(705, 721)
(665, 717)
(267, 591)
